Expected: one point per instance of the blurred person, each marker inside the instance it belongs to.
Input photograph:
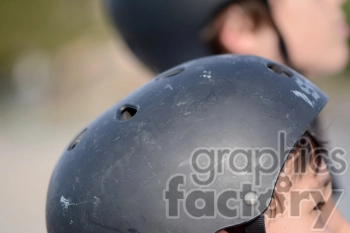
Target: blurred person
(307, 35)
(204, 147)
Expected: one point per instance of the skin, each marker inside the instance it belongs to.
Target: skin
(316, 208)
(239, 36)
(314, 31)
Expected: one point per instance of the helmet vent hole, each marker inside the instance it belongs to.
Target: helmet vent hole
(170, 73)
(76, 140)
(127, 112)
(280, 70)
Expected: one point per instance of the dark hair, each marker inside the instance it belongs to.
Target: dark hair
(309, 150)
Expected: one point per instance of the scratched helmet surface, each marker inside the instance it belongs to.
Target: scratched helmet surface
(153, 161)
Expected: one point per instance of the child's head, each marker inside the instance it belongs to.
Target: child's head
(302, 199)
(200, 148)
(308, 35)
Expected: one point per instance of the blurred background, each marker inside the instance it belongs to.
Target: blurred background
(61, 65)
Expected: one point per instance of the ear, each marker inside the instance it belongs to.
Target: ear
(237, 34)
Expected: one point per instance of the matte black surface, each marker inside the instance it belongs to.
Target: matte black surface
(113, 179)
(162, 33)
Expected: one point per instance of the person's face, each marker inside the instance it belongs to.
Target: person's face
(309, 207)
(315, 34)
(307, 204)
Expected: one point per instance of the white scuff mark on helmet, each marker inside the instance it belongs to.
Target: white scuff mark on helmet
(149, 163)
(168, 86)
(97, 201)
(304, 97)
(65, 203)
(181, 103)
(206, 74)
(265, 100)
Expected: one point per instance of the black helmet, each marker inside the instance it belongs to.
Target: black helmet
(163, 34)
(146, 164)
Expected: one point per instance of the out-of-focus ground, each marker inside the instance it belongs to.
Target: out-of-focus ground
(34, 130)
(57, 94)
